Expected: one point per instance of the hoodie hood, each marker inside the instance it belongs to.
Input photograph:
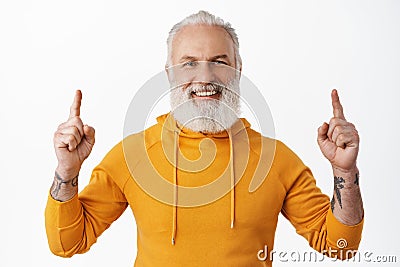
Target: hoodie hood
(170, 125)
(168, 122)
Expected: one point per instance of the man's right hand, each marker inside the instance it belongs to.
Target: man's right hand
(73, 142)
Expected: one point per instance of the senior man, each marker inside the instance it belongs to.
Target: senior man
(154, 171)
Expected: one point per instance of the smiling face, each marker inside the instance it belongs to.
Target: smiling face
(194, 46)
(203, 69)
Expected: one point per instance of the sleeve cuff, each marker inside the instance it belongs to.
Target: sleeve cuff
(65, 213)
(343, 236)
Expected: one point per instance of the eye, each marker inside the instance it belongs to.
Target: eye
(220, 62)
(190, 64)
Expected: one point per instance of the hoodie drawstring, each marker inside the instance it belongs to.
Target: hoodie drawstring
(175, 197)
(175, 182)
(230, 136)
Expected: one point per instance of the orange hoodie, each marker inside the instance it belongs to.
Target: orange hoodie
(198, 199)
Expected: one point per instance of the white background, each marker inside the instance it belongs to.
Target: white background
(294, 51)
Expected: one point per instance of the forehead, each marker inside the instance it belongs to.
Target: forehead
(202, 41)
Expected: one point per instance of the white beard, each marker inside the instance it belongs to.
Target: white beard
(206, 115)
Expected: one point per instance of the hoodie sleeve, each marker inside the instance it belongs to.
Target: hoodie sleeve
(308, 210)
(73, 226)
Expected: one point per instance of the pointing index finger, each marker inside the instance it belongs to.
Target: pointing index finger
(337, 106)
(75, 109)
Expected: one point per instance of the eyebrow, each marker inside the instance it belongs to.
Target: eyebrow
(224, 56)
(185, 58)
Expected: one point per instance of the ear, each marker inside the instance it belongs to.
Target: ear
(241, 65)
(167, 70)
(240, 72)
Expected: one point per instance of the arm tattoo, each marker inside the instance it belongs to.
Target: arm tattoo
(356, 181)
(58, 181)
(333, 202)
(338, 185)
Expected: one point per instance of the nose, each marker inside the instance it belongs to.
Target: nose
(204, 73)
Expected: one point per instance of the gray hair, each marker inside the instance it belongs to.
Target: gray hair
(204, 18)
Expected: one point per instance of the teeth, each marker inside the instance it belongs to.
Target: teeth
(205, 93)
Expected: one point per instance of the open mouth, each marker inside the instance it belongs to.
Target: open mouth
(206, 93)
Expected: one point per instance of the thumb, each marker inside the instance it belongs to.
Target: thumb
(322, 132)
(89, 134)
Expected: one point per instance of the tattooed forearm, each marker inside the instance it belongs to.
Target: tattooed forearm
(63, 189)
(339, 185)
(346, 203)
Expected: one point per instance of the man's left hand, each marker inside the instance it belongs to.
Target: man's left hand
(339, 140)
